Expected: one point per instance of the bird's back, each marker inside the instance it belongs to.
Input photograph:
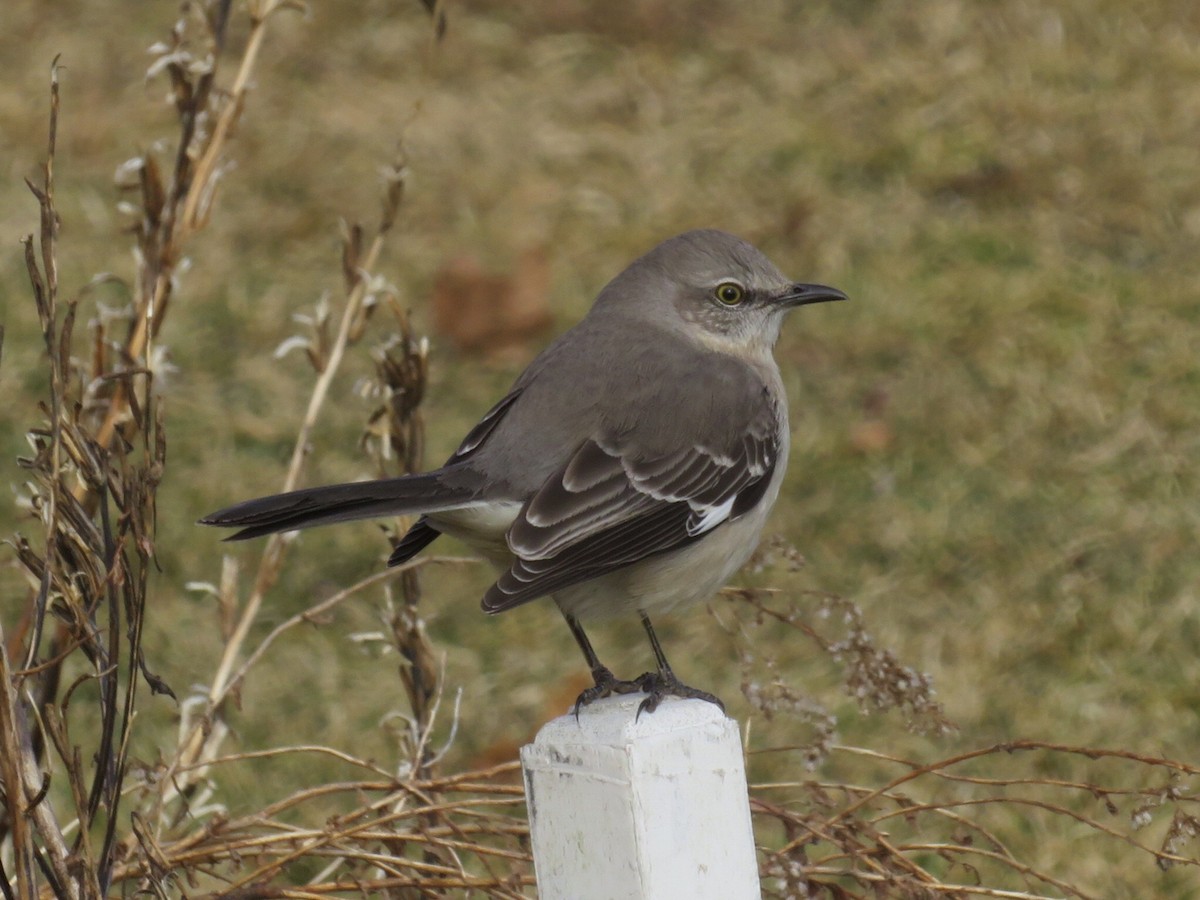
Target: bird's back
(621, 391)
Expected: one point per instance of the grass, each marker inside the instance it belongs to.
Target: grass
(995, 444)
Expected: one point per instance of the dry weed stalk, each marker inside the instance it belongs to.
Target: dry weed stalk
(840, 839)
(844, 840)
(395, 439)
(94, 501)
(170, 213)
(98, 458)
(208, 731)
(464, 831)
(402, 369)
(876, 679)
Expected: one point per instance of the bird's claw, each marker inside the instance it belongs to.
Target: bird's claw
(664, 684)
(606, 684)
(655, 685)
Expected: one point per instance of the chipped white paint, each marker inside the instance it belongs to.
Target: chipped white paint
(649, 808)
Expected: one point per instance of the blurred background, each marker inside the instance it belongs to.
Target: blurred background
(995, 446)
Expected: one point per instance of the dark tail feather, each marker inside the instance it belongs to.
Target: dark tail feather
(420, 536)
(411, 494)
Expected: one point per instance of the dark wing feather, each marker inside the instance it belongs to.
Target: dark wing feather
(483, 429)
(608, 508)
(648, 535)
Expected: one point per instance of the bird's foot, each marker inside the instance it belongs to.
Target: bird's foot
(664, 684)
(606, 685)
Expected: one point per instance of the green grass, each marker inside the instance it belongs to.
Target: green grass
(1008, 192)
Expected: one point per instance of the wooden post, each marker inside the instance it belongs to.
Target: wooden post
(649, 808)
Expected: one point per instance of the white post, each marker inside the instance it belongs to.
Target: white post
(652, 808)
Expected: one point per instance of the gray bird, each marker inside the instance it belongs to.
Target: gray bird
(630, 468)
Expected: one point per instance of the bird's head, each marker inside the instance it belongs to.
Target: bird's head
(717, 289)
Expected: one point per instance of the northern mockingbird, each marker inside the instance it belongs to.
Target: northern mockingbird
(630, 468)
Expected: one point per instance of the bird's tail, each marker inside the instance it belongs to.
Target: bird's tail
(425, 492)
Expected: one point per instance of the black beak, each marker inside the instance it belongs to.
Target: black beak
(804, 294)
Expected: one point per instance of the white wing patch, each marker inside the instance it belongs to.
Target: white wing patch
(712, 517)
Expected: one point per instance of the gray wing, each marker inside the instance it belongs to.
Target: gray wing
(610, 507)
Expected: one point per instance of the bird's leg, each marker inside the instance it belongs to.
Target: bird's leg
(664, 683)
(606, 683)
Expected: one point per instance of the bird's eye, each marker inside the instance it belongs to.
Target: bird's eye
(730, 293)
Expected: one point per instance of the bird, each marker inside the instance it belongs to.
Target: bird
(631, 467)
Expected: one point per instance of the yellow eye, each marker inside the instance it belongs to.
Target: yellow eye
(730, 293)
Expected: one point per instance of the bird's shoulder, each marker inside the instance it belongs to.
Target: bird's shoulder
(629, 377)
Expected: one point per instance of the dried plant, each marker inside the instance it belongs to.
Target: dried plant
(395, 439)
(97, 462)
(874, 677)
(92, 491)
(843, 840)
(936, 829)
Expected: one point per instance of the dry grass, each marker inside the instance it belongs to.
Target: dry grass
(995, 445)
